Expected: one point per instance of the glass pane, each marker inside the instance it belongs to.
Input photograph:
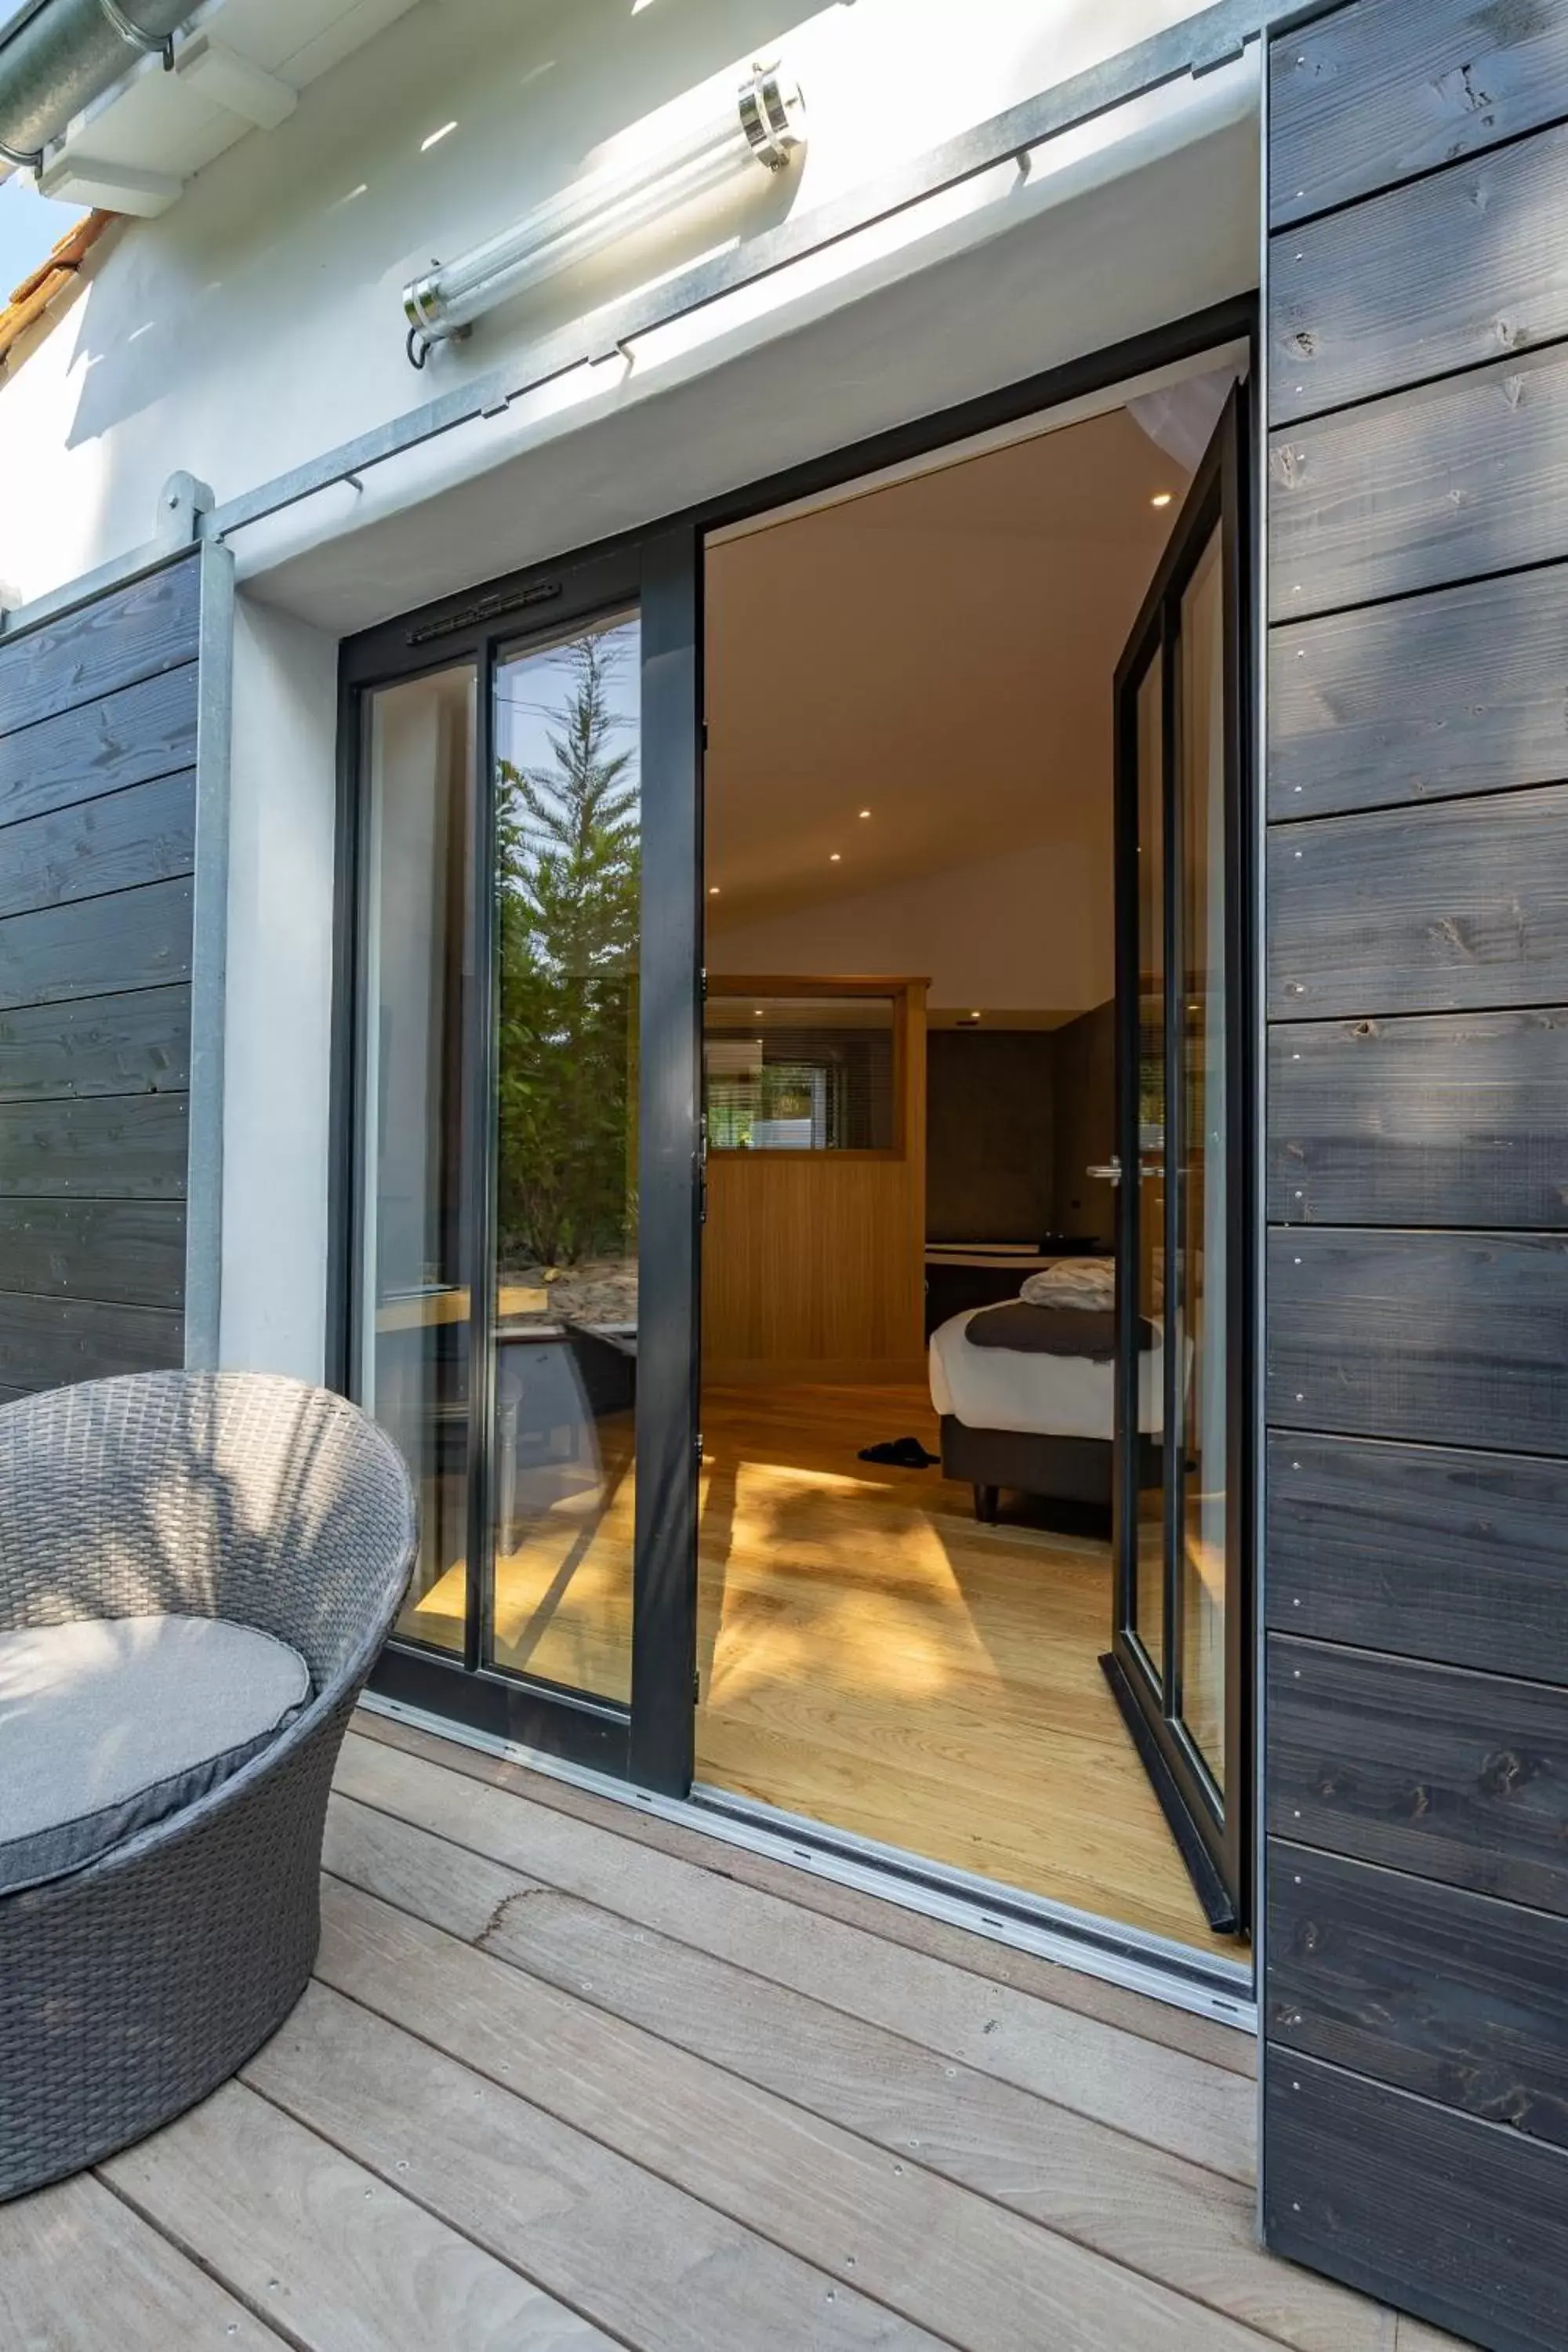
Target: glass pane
(799, 1073)
(568, 875)
(1149, 1266)
(1202, 1231)
(413, 1345)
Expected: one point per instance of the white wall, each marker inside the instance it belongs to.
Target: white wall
(1027, 932)
(257, 322)
(277, 1084)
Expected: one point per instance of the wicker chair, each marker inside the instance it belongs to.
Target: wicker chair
(131, 1988)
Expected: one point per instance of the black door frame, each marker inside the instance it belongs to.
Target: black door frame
(661, 568)
(1216, 1840)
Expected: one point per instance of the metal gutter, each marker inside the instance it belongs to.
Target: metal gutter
(62, 54)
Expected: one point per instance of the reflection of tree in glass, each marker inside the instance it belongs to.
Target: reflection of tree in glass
(569, 860)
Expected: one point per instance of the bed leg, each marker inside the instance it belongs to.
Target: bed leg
(986, 1499)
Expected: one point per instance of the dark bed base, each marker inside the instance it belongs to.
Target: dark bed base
(1062, 1469)
(1058, 1469)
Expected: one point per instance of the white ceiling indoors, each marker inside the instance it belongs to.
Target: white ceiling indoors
(940, 652)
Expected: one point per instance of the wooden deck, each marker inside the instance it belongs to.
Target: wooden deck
(569, 2077)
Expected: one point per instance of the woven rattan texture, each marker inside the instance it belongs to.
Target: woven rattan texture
(131, 1988)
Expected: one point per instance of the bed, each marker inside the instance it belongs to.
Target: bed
(1041, 1424)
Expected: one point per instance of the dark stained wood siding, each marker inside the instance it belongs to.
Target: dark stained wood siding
(1415, 1580)
(98, 738)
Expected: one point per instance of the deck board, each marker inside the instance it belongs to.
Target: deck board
(1168, 2219)
(940, 2256)
(570, 2076)
(1195, 2109)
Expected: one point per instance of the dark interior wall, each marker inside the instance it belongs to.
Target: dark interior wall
(98, 737)
(990, 1128)
(1086, 1124)
(1416, 1578)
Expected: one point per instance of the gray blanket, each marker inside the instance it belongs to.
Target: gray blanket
(1051, 1331)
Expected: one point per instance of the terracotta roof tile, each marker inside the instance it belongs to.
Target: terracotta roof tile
(46, 284)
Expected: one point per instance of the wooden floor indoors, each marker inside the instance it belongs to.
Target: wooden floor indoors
(871, 1657)
(568, 2078)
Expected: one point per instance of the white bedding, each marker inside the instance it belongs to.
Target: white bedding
(1051, 1396)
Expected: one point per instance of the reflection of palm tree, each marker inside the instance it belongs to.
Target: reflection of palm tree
(569, 869)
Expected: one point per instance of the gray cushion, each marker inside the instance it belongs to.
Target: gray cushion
(109, 1724)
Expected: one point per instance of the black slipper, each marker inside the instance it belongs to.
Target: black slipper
(903, 1453)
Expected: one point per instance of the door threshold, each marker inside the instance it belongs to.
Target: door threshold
(1154, 1966)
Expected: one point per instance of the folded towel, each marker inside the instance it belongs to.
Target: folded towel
(1087, 1284)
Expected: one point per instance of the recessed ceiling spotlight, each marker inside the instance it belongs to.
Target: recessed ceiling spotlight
(975, 1017)
(835, 859)
(1160, 499)
(712, 889)
(865, 811)
(757, 1013)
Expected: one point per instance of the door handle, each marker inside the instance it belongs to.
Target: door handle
(1111, 1173)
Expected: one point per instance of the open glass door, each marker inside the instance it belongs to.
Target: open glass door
(1178, 1656)
(529, 1013)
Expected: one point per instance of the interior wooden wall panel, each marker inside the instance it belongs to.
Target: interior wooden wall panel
(1377, 2184)
(1386, 704)
(1374, 94)
(1401, 1979)
(1416, 1572)
(1455, 1119)
(814, 1264)
(1425, 1551)
(98, 722)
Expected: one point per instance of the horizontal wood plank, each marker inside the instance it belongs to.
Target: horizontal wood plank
(1429, 486)
(1165, 2218)
(1449, 1775)
(1424, 1551)
(134, 632)
(120, 1147)
(138, 1042)
(1461, 907)
(135, 939)
(1378, 92)
(977, 1956)
(131, 1253)
(552, 2204)
(1445, 273)
(1449, 1339)
(1465, 2221)
(1195, 2110)
(47, 1343)
(1452, 1995)
(129, 738)
(948, 2261)
(145, 833)
(1461, 691)
(58, 2247)
(346, 2264)
(1451, 1119)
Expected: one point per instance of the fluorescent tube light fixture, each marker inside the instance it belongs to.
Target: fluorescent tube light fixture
(763, 124)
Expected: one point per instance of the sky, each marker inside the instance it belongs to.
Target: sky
(29, 224)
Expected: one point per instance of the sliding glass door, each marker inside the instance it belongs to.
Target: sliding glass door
(1179, 1662)
(526, 1095)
